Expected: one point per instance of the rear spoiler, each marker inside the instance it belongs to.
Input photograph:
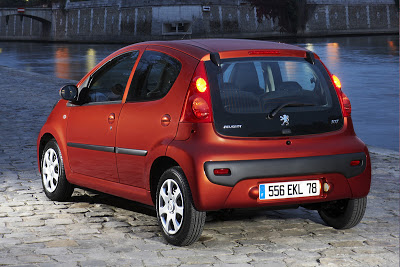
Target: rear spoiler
(310, 57)
(215, 59)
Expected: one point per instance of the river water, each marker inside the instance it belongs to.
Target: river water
(368, 67)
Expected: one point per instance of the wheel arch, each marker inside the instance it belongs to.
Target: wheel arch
(159, 166)
(42, 143)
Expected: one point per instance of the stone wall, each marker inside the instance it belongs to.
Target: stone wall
(352, 17)
(129, 21)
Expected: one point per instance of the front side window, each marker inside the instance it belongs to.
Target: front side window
(154, 76)
(109, 82)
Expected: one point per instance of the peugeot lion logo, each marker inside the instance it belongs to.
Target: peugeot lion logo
(285, 120)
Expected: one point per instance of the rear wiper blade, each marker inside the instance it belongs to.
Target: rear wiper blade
(289, 104)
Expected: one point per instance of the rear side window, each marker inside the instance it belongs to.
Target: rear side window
(153, 77)
(246, 91)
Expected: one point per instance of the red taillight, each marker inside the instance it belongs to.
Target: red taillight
(337, 82)
(200, 108)
(224, 171)
(344, 100)
(355, 163)
(346, 105)
(201, 85)
(198, 100)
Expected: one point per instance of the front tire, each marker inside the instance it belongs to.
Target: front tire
(179, 220)
(343, 214)
(55, 184)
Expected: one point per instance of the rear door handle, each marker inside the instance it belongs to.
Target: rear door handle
(111, 118)
(165, 120)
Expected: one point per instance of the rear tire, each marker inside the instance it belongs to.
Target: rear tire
(55, 184)
(179, 220)
(343, 214)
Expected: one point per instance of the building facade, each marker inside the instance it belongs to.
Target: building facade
(134, 21)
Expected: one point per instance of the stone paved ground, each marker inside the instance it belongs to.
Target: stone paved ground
(100, 230)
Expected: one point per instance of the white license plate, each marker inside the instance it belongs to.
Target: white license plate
(295, 189)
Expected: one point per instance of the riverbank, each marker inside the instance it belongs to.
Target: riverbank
(121, 21)
(100, 230)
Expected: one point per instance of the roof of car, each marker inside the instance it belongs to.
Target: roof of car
(221, 45)
(201, 47)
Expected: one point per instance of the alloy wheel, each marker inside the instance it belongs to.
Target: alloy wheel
(170, 206)
(51, 170)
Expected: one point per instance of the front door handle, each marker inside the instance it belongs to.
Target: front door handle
(111, 118)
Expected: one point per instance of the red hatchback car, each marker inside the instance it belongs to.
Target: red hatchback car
(198, 125)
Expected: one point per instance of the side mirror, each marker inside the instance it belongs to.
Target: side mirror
(69, 92)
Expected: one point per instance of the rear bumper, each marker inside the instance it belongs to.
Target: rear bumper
(341, 188)
(242, 197)
(209, 194)
(266, 168)
(346, 181)
(252, 162)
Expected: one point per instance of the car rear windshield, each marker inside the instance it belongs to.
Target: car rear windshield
(272, 96)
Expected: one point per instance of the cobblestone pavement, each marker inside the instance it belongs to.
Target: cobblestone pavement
(100, 230)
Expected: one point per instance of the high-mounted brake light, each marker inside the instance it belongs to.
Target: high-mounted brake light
(344, 100)
(198, 100)
(264, 52)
